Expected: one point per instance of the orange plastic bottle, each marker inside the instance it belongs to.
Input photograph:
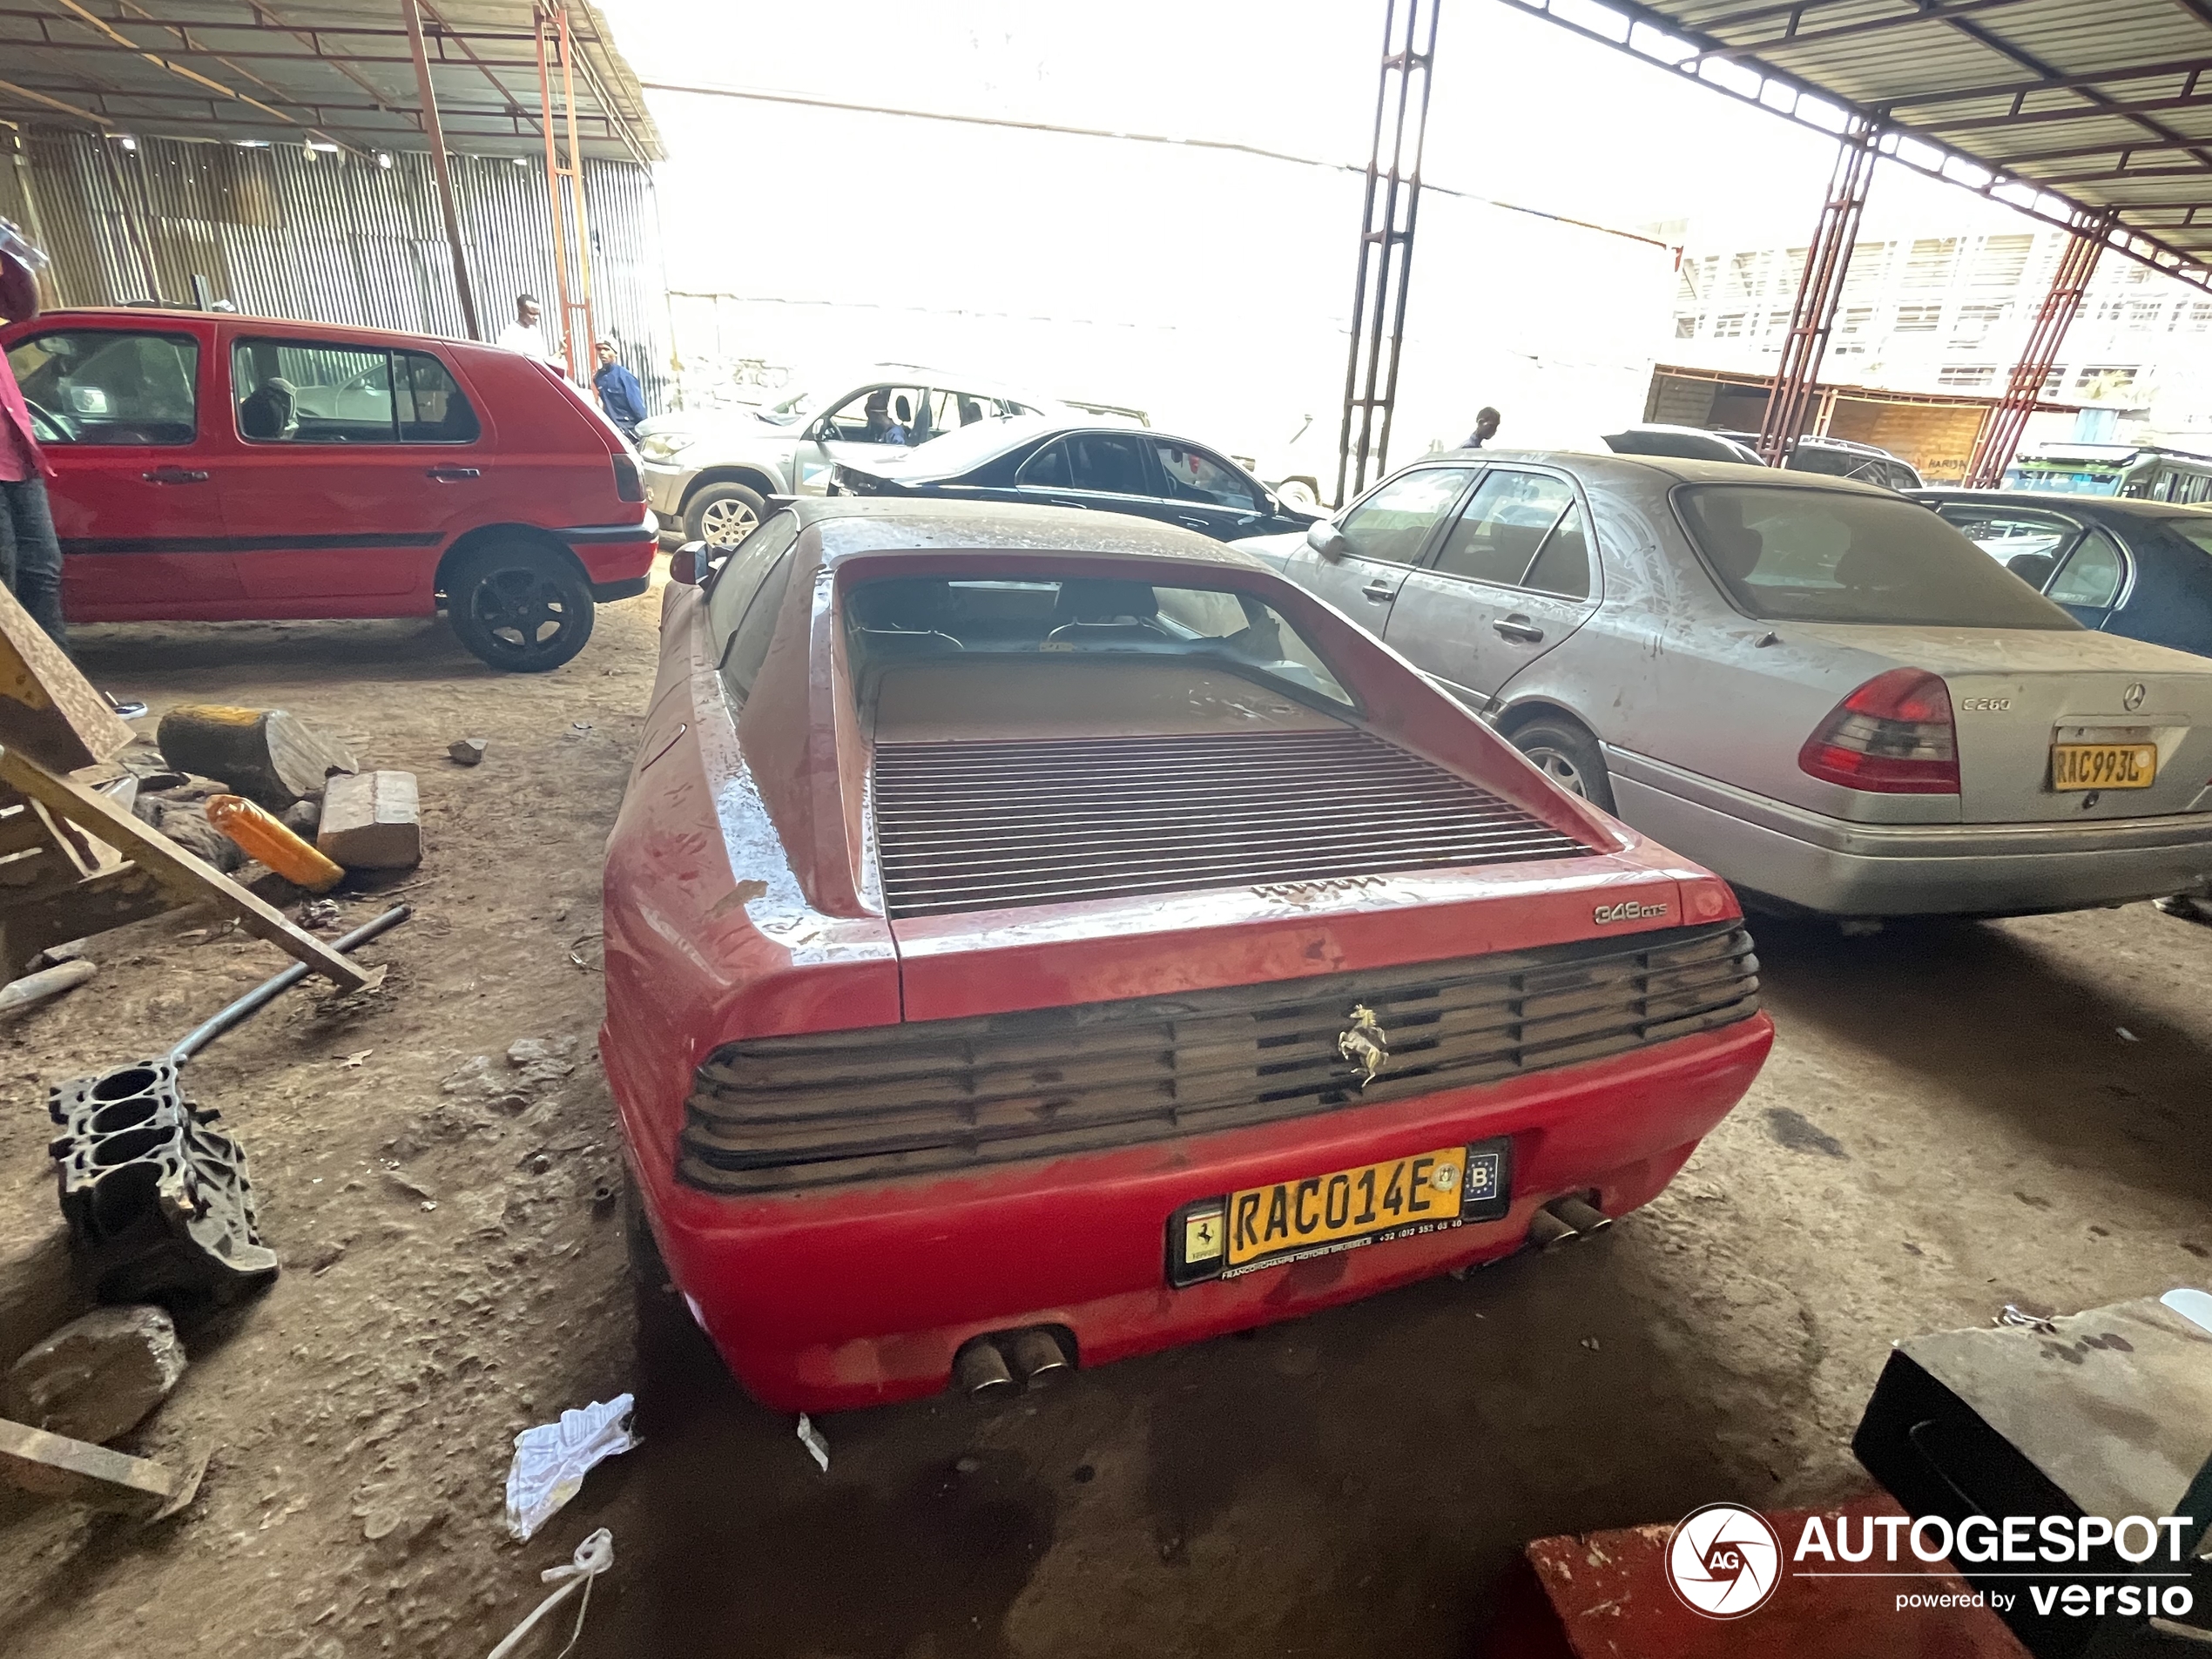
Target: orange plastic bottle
(263, 837)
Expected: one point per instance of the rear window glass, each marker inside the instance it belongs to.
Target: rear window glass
(1823, 555)
(2197, 532)
(910, 618)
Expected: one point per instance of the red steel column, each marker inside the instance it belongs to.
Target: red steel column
(2000, 433)
(1796, 380)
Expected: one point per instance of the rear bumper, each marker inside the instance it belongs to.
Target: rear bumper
(858, 1296)
(1844, 868)
(617, 558)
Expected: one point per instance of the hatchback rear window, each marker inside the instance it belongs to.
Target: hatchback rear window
(1055, 618)
(1824, 556)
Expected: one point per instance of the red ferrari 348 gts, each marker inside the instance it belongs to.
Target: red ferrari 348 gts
(1035, 937)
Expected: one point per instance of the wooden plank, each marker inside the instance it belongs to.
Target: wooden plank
(48, 709)
(189, 880)
(54, 1466)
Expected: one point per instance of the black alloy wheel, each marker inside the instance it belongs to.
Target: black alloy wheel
(520, 608)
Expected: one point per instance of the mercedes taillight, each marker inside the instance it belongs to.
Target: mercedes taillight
(1893, 736)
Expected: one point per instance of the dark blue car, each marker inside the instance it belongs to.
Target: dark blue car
(2141, 568)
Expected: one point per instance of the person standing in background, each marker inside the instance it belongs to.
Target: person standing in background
(1486, 428)
(30, 556)
(619, 393)
(522, 334)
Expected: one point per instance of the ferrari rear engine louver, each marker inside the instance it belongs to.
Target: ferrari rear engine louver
(987, 826)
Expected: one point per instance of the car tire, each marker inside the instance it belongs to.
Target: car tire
(723, 515)
(1301, 493)
(520, 607)
(1566, 752)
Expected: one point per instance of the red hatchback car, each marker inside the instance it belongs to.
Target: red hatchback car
(217, 467)
(1036, 936)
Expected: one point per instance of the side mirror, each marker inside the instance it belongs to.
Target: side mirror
(1327, 540)
(688, 563)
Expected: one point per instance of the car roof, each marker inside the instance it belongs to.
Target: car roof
(112, 315)
(2058, 501)
(1640, 469)
(847, 526)
(921, 465)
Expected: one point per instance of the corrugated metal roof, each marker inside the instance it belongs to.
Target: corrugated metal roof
(313, 72)
(2093, 114)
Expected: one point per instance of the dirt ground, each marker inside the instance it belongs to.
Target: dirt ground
(1953, 1118)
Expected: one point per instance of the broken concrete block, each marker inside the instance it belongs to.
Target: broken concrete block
(372, 820)
(467, 751)
(98, 1377)
(270, 757)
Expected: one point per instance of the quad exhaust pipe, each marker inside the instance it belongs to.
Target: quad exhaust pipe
(1563, 1221)
(996, 1365)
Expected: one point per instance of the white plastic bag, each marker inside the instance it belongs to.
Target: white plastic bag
(551, 1461)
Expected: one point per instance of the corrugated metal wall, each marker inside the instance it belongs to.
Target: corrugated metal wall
(286, 232)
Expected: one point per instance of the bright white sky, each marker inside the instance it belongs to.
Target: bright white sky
(1208, 289)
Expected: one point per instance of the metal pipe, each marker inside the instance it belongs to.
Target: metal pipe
(1585, 1217)
(553, 195)
(980, 1370)
(1546, 1231)
(578, 371)
(436, 135)
(269, 989)
(1040, 1359)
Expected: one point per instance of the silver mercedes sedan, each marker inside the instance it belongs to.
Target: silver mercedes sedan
(1820, 690)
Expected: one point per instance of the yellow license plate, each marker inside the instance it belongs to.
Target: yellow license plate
(2103, 766)
(1258, 1227)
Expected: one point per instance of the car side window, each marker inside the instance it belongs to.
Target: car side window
(298, 392)
(882, 415)
(432, 408)
(1048, 468)
(739, 576)
(1497, 538)
(1193, 474)
(748, 646)
(2029, 544)
(1392, 525)
(1109, 462)
(103, 386)
(2092, 576)
(1562, 563)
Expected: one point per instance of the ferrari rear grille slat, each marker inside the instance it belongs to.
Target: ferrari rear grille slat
(988, 825)
(935, 1096)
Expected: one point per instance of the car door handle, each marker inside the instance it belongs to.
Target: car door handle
(1194, 523)
(1518, 627)
(174, 476)
(454, 474)
(1380, 590)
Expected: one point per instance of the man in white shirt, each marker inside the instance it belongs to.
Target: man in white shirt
(521, 334)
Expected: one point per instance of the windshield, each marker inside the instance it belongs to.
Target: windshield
(1046, 617)
(2066, 478)
(1824, 556)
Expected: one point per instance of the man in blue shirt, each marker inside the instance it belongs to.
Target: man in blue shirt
(619, 393)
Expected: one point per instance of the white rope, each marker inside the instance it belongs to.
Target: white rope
(593, 1556)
